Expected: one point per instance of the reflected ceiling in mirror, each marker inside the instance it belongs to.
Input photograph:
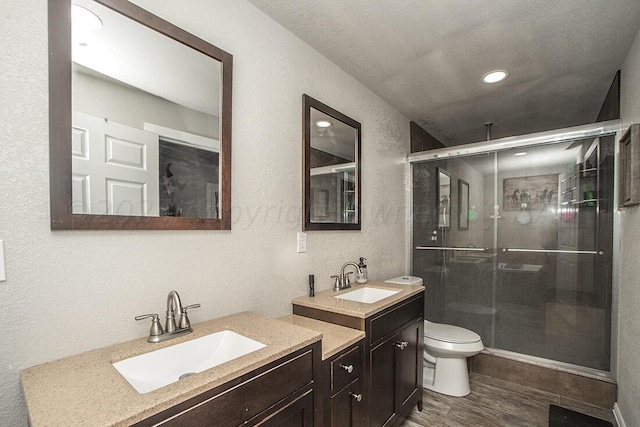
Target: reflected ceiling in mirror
(331, 199)
(149, 136)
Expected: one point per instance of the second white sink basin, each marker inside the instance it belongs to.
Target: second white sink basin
(159, 368)
(367, 295)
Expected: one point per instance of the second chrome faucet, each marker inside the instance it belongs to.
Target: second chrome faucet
(172, 328)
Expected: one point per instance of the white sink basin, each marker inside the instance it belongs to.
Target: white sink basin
(159, 368)
(368, 295)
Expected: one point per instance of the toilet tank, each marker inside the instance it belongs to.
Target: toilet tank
(405, 280)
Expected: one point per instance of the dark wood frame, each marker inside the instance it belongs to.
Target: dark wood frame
(463, 206)
(60, 171)
(629, 169)
(308, 103)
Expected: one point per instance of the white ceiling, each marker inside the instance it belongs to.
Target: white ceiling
(427, 57)
(339, 139)
(143, 58)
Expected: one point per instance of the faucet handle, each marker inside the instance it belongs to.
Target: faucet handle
(184, 319)
(336, 283)
(156, 327)
(347, 281)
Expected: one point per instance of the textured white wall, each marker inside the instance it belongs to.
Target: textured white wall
(629, 326)
(68, 292)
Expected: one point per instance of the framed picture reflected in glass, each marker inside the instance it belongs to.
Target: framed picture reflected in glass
(444, 198)
(463, 205)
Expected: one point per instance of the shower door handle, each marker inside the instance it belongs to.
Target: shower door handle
(553, 251)
(448, 248)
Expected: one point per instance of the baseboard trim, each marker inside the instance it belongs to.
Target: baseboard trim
(618, 415)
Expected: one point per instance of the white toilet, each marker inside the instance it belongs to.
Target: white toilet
(446, 348)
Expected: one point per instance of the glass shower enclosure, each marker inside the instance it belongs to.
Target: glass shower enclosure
(514, 240)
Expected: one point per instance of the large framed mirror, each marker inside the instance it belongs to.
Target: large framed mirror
(140, 121)
(331, 168)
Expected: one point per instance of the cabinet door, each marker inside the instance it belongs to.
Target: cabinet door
(381, 375)
(298, 413)
(346, 406)
(408, 356)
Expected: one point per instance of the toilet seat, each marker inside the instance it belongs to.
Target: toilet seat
(449, 333)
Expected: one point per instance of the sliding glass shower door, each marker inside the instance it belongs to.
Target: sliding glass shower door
(516, 245)
(454, 240)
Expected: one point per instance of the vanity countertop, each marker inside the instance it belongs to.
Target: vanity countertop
(326, 301)
(86, 389)
(335, 338)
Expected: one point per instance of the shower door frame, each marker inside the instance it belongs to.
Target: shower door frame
(594, 130)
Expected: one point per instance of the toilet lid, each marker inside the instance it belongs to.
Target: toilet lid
(449, 333)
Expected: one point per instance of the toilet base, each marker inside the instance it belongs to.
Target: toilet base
(450, 376)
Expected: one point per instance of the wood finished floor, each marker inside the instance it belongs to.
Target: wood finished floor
(495, 403)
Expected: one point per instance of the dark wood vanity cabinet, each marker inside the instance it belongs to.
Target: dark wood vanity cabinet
(393, 360)
(281, 393)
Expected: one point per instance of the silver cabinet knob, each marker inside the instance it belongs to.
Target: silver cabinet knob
(348, 368)
(357, 397)
(401, 345)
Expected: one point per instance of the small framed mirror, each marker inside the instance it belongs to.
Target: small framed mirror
(444, 198)
(331, 168)
(140, 121)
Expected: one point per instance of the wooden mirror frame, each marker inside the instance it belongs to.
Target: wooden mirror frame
(60, 171)
(308, 103)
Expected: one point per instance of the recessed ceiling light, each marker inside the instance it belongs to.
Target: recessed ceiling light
(84, 19)
(495, 76)
(323, 123)
(522, 153)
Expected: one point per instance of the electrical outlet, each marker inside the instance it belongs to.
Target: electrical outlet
(302, 241)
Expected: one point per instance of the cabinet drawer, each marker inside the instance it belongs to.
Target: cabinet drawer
(340, 367)
(388, 321)
(237, 405)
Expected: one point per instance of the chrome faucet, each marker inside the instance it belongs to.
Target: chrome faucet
(343, 281)
(171, 330)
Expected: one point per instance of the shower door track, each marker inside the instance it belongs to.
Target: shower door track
(592, 130)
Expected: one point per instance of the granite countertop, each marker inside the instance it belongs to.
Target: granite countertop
(86, 389)
(325, 300)
(335, 338)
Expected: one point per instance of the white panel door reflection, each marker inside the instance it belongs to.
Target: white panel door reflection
(115, 168)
